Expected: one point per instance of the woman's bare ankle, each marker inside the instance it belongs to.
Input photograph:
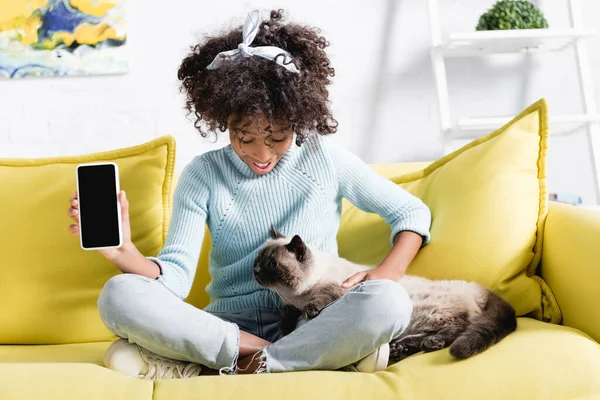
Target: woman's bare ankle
(250, 344)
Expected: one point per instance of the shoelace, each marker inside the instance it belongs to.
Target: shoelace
(262, 365)
(260, 369)
(165, 368)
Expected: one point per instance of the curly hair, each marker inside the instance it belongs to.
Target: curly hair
(253, 85)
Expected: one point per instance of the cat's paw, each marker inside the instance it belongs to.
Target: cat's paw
(399, 351)
(310, 311)
(433, 343)
(399, 348)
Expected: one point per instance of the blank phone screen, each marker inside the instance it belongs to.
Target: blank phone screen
(98, 215)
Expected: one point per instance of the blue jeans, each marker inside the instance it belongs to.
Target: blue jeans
(142, 310)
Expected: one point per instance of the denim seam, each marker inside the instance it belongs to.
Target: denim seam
(259, 324)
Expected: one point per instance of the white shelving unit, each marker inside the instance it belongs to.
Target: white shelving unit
(464, 128)
(483, 43)
(514, 41)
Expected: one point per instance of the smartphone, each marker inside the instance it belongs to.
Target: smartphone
(99, 209)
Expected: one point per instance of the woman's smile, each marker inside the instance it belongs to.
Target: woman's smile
(259, 143)
(262, 166)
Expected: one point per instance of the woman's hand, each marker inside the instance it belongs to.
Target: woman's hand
(394, 265)
(110, 254)
(380, 272)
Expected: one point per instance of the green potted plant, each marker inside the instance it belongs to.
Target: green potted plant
(512, 14)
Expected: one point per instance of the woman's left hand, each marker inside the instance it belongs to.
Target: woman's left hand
(373, 274)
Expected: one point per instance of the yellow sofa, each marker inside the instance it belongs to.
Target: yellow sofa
(539, 361)
(52, 342)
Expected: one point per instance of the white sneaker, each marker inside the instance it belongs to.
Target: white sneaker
(133, 360)
(373, 362)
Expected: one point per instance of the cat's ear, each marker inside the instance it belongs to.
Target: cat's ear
(275, 234)
(297, 247)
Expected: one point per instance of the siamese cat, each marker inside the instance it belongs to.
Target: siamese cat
(461, 315)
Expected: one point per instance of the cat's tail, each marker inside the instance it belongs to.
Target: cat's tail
(496, 320)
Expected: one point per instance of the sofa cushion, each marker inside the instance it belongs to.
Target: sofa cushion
(69, 381)
(49, 284)
(538, 361)
(64, 371)
(488, 202)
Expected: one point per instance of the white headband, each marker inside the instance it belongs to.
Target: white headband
(244, 50)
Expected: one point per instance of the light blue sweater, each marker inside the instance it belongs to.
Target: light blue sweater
(301, 195)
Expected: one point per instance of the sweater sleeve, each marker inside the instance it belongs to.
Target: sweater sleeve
(178, 259)
(374, 193)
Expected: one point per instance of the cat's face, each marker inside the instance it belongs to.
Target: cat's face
(282, 262)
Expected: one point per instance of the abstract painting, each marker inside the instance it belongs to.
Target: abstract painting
(62, 38)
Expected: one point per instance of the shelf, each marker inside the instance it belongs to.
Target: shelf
(479, 43)
(471, 128)
(594, 207)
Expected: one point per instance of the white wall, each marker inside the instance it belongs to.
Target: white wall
(383, 94)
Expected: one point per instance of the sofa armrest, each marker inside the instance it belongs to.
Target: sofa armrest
(571, 265)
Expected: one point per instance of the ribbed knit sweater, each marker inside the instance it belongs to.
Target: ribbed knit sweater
(301, 195)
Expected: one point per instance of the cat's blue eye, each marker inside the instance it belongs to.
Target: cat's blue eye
(272, 264)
